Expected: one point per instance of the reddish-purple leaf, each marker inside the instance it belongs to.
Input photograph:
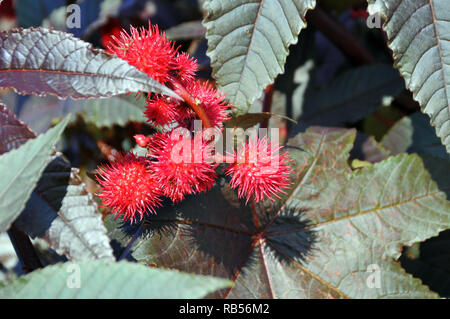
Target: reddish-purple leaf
(13, 132)
(325, 239)
(42, 61)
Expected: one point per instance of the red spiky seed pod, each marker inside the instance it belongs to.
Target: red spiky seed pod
(161, 110)
(165, 110)
(128, 187)
(182, 164)
(259, 170)
(213, 102)
(147, 49)
(186, 66)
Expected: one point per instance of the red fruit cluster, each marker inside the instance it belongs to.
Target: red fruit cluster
(177, 165)
(151, 52)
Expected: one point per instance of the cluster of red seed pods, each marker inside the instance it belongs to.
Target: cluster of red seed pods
(133, 186)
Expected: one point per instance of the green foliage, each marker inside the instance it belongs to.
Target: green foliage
(248, 43)
(351, 96)
(39, 112)
(59, 210)
(64, 214)
(105, 280)
(418, 36)
(371, 184)
(21, 169)
(319, 241)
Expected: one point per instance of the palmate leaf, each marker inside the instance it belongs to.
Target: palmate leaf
(419, 36)
(103, 280)
(21, 169)
(248, 43)
(42, 61)
(431, 264)
(319, 242)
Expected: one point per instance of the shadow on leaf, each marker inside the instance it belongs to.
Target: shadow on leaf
(288, 236)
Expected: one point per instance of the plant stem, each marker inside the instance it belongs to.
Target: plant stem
(195, 104)
(255, 215)
(24, 249)
(267, 104)
(340, 36)
(127, 249)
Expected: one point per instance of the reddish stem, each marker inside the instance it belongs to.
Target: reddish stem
(267, 104)
(340, 36)
(195, 104)
(255, 216)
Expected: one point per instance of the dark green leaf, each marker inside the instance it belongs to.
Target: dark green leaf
(31, 13)
(351, 96)
(424, 137)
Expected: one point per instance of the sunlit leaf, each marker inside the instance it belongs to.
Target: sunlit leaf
(42, 61)
(103, 280)
(419, 36)
(248, 43)
(21, 169)
(325, 239)
(13, 132)
(64, 214)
